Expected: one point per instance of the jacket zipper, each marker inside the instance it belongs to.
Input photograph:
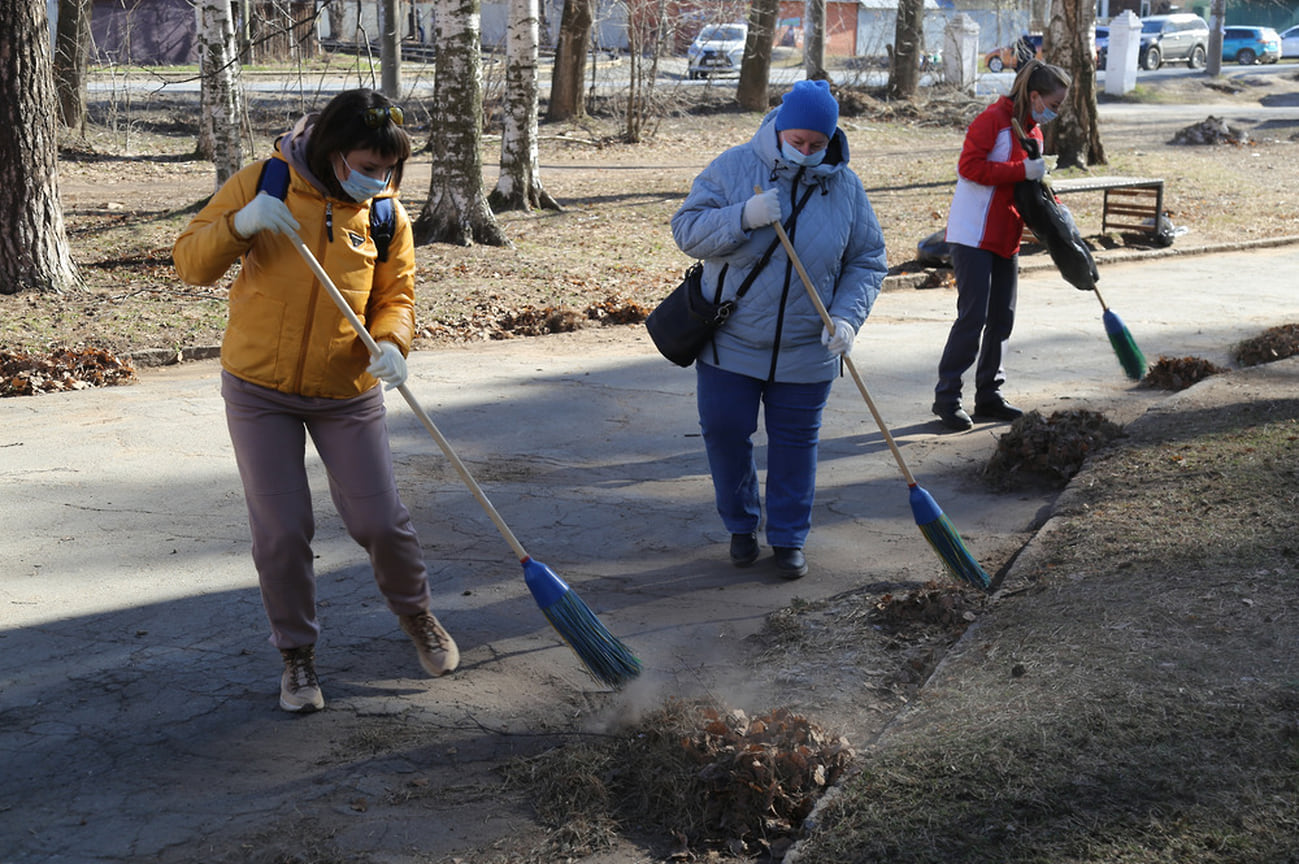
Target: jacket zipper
(316, 288)
(789, 269)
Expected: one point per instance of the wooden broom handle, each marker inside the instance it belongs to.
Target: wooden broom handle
(847, 361)
(373, 348)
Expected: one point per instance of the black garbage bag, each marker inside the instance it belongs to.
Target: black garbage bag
(1053, 225)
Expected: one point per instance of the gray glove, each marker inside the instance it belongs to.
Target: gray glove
(264, 213)
(761, 209)
(841, 342)
(1034, 169)
(389, 367)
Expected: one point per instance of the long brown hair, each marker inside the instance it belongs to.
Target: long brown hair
(1036, 77)
(342, 127)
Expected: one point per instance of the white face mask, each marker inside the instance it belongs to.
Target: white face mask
(792, 155)
(362, 187)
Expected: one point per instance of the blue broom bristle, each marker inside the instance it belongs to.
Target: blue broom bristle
(606, 658)
(1125, 347)
(942, 536)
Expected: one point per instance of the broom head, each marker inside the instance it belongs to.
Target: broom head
(944, 539)
(1130, 356)
(606, 658)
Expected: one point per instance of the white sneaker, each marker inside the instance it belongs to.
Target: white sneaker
(437, 651)
(299, 689)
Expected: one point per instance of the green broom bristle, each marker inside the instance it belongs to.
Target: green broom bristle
(942, 536)
(1130, 356)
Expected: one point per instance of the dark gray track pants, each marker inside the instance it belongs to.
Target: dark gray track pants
(986, 289)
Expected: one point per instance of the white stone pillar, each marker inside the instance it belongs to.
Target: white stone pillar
(961, 52)
(1122, 53)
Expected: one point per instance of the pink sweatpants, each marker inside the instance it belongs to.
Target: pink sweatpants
(268, 430)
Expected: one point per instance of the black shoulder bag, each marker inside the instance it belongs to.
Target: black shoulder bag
(686, 321)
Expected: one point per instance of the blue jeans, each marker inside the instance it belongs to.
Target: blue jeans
(986, 288)
(728, 417)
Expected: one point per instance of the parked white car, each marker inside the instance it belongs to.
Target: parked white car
(719, 48)
(1290, 42)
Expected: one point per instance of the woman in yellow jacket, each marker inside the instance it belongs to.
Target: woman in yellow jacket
(292, 366)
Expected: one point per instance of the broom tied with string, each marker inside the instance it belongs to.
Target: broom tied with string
(1070, 255)
(605, 657)
(933, 523)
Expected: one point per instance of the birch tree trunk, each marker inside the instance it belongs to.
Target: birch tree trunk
(755, 68)
(34, 254)
(456, 210)
(71, 58)
(1075, 135)
(220, 99)
(519, 185)
(904, 73)
(814, 40)
(566, 81)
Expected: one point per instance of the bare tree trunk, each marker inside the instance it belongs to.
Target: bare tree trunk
(390, 49)
(908, 36)
(566, 101)
(814, 40)
(219, 66)
(1075, 136)
(34, 253)
(755, 68)
(334, 9)
(519, 185)
(1217, 13)
(71, 58)
(456, 210)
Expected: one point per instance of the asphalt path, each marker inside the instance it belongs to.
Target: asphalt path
(137, 691)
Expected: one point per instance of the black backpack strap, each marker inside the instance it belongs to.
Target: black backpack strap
(274, 180)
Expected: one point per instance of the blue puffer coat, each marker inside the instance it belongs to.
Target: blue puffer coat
(775, 331)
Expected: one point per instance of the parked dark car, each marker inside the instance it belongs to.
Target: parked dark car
(1249, 45)
(1180, 37)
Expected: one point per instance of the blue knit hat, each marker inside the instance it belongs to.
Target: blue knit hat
(809, 106)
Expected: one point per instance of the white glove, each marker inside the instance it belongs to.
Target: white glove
(389, 367)
(761, 209)
(841, 342)
(264, 213)
(1034, 169)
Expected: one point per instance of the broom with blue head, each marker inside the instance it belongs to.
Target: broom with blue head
(933, 523)
(605, 657)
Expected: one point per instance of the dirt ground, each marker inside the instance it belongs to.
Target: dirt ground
(126, 189)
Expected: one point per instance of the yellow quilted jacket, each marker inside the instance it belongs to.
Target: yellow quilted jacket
(284, 331)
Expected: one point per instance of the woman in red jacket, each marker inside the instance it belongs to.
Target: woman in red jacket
(983, 231)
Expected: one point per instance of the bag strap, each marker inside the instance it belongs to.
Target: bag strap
(383, 216)
(771, 250)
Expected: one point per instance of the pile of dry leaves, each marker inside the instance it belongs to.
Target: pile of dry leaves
(23, 374)
(707, 778)
(1047, 451)
(497, 320)
(1178, 373)
(1212, 130)
(1276, 343)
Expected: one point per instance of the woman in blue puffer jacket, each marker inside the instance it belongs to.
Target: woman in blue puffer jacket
(775, 351)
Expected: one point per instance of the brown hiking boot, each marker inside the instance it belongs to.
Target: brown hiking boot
(437, 651)
(299, 689)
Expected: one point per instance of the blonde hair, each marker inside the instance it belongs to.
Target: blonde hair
(1036, 77)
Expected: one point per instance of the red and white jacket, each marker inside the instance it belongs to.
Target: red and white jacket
(983, 213)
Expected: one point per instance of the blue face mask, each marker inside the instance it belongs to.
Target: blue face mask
(1046, 115)
(361, 187)
(793, 156)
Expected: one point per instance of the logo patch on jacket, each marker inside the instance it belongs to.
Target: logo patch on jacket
(357, 239)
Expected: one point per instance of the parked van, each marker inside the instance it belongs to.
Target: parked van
(1178, 37)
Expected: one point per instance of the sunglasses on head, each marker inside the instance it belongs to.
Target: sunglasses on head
(377, 117)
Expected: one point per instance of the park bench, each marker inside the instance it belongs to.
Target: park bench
(1130, 204)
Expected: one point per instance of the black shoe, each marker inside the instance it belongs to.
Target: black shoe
(790, 562)
(953, 416)
(744, 549)
(997, 409)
